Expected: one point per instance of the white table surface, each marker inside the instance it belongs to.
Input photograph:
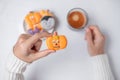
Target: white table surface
(72, 63)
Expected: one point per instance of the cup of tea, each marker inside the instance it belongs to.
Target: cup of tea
(77, 18)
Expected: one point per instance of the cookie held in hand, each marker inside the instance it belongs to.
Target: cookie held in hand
(56, 42)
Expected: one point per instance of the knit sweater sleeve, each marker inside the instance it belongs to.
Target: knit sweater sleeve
(15, 68)
(102, 69)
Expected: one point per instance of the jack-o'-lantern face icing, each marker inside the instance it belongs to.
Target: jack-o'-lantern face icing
(56, 42)
(37, 21)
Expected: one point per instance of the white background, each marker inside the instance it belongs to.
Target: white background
(72, 63)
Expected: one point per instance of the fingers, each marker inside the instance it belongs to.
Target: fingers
(95, 30)
(55, 33)
(38, 45)
(41, 54)
(32, 40)
(89, 36)
(92, 33)
(23, 37)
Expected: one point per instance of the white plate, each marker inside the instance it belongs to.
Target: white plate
(25, 26)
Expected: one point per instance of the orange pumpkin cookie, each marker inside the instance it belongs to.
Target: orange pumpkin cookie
(56, 42)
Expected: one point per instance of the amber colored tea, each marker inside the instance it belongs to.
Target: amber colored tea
(76, 19)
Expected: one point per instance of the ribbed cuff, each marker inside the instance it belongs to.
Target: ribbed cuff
(102, 67)
(100, 60)
(15, 65)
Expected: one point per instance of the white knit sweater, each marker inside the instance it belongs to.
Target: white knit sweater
(16, 67)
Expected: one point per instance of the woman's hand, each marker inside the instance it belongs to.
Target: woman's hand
(28, 46)
(95, 41)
